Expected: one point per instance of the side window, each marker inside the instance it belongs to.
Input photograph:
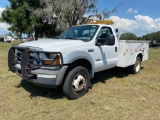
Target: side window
(105, 33)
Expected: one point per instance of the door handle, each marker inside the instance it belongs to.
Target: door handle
(116, 49)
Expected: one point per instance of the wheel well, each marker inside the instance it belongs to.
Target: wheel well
(80, 62)
(140, 55)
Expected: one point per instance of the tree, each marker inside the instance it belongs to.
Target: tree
(46, 17)
(21, 20)
(10, 34)
(152, 36)
(68, 12)
(128, 36)
(28, 16)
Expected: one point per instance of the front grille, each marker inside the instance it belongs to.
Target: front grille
(33, 58)
(19, 56)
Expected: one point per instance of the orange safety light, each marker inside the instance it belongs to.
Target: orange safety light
(108, 22)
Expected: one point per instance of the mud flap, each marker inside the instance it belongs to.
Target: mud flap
(11, 59)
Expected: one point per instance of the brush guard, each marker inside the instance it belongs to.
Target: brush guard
(26, 67)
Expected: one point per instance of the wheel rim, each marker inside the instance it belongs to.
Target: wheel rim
(138, 66)
(79, 82)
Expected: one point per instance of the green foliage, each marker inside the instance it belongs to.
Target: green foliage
(22, 21)
(128, 36)
(36, 16)
(46, 18)
(131, 36)
(10, 34)
(152, 36)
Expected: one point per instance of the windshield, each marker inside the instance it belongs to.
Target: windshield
(85, 33)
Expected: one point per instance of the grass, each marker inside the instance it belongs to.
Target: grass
(116, 95)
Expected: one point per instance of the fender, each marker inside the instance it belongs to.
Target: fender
(73, 56)
(137, 56)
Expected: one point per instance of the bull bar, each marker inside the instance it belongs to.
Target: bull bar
(26, 66)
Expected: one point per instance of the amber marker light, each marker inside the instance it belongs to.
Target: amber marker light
(57, 58)
(48, 62)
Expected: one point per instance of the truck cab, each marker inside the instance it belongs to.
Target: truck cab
(71, 59)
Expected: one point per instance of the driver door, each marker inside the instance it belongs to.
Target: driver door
(106, 56)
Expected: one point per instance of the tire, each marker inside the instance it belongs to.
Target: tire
(76, 83)
(137, 66)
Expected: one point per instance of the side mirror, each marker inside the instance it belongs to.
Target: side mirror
(101, 41)
(110, 40)
(116, 30)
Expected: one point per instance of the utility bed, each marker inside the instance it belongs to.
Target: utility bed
(128, 49)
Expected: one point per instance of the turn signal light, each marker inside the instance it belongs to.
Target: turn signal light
(57, 58)
(54, 61)
(48, 62)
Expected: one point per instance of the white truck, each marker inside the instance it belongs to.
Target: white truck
(73, 58)
(8, 39)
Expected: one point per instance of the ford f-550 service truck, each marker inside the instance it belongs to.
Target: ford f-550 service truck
(74, 57)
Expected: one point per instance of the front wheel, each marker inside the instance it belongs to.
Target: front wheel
(136, 67)
(76, 83)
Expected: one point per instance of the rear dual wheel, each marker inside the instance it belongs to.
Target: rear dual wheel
(76, 83)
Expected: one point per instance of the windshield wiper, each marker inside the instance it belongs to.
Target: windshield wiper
(70, 38)
(56, 37)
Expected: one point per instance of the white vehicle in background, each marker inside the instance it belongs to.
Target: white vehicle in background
(75, 56)
(7, 40)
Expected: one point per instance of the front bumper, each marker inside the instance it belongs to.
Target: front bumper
(44, 75)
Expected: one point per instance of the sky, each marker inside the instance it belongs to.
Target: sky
(137, 16)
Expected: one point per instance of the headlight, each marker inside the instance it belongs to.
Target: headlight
(52, 59)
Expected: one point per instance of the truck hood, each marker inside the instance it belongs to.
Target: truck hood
(53, 44)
